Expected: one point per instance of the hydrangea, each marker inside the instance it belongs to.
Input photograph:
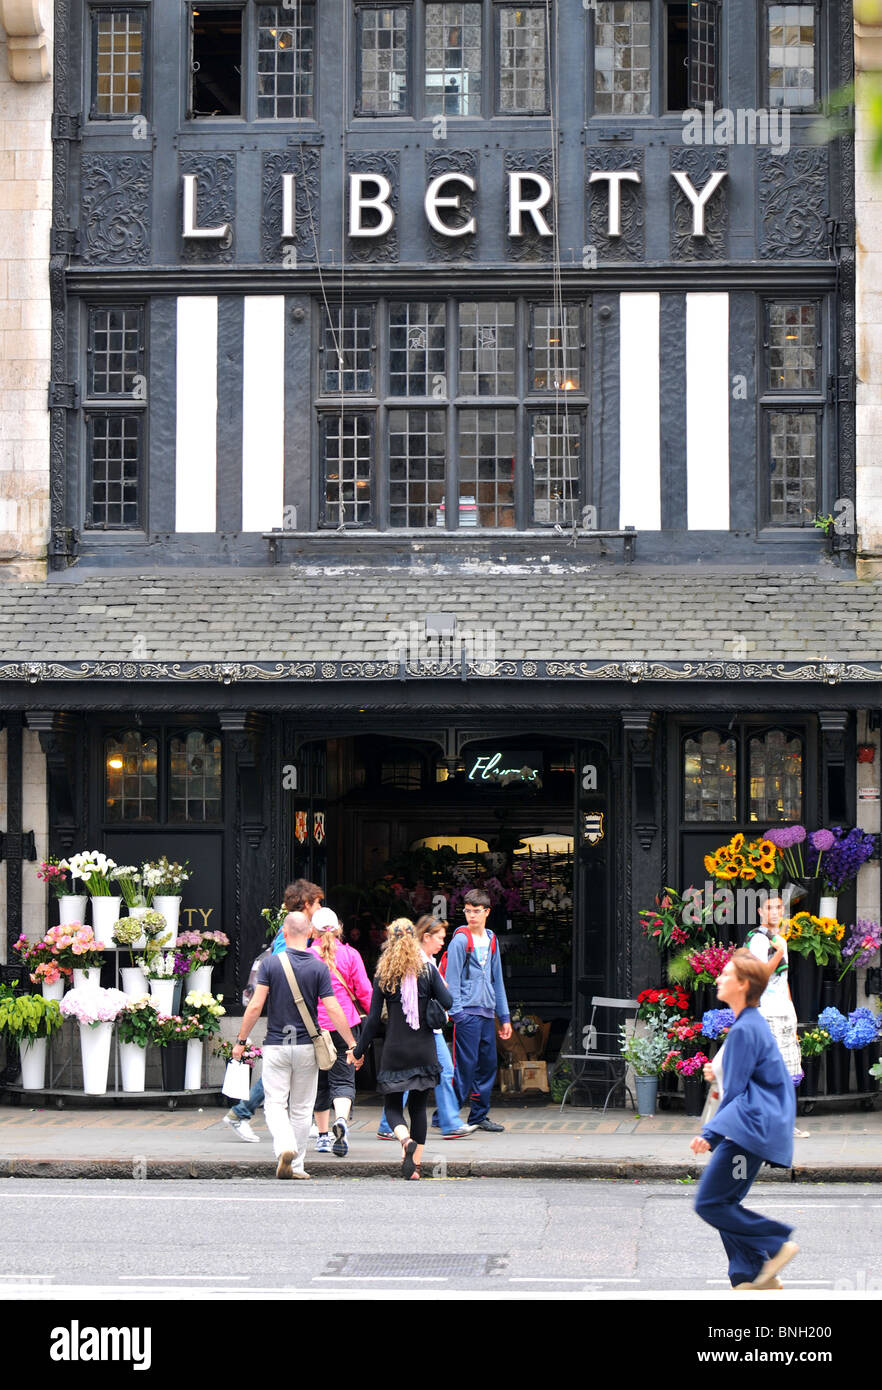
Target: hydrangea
(861, 1031)
(93, 1006)
(834, 1023)
(716, 1022)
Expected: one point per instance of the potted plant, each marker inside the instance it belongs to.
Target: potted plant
(162, 970)
(29, 1020)
(645, 1053)
(94, 869)
(689, 1067)
(128, 876)
(843, 859)
(136, 1029)
(95, 1010)
(162, 885)
(129, 932)
(202, 1012)
(75, 948)
(201, 951)
(860, 1029)
(43, 967)
(172, 1034)
(813, 1043)
(71, 905)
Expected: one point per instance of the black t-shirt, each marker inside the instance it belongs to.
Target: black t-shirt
(284, 1021)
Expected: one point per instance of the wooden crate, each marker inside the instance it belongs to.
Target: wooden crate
(532, 1076)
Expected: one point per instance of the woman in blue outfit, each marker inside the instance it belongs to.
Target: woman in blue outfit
(753, 1124)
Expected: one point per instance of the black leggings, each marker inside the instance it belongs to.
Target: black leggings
(416, 1105)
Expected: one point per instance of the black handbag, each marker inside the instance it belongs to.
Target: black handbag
(436, 1014)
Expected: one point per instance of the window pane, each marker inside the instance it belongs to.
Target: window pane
(130, 778)
(622, 58)
(775, 777)
(702, 52)
(793, 347)
(417, 452)
(383, 36)
(114, 351)
(217, 62)
(522, 59)
(557, 347)
(487, 349)
(114, 467)
(417, 356)
(119, 53)
(347, 349)
(347, 470)
(285, 40)
(194, 777)
(791, 49)
(486, 467)
(793, 460)
(556, 448)
(709, 777)
(453, 60)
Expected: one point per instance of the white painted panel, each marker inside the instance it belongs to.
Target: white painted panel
(707, 412)
(263, 412)
(196, 431)
(639, 412)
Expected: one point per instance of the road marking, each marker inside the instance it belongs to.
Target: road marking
(386, 1278)
(172, 1278)
(155, 1197)
(568, 1279)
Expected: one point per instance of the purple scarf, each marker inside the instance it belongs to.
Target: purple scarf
(410, 1001)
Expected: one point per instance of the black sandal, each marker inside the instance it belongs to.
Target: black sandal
(408, 1167)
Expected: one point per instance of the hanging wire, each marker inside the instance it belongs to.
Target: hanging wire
(558, 358)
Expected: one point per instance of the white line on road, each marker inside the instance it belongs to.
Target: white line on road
(154, 1197)
(568, 1279)
(384, 1278)
(173, 1278)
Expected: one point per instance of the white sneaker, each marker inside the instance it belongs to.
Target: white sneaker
(242, 1128)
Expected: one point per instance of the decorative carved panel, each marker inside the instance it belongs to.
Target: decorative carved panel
(215, 204)
(438, 162)
(794, 200)
(699, 164)
(531, 246)
(383, 249)
(630, 246)
(305, 164)
(116, 208)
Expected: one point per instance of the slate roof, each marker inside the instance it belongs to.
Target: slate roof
(518, 612)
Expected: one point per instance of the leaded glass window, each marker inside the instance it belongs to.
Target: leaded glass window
(557, 347)
(793, 466)
(114, 462)
(347, 349)
(347, 453)
(384, 38)
(285, 43)
(792, 56)
(523, 59)
(792, 346)
(775, 776)
(453, 60)
(130, 771)
(710, 777)
(417, 350)
(114, 351)
(555, 450)
(487, 349)
(117, 62)
(417, 458)
(486, 467)
(194, 789)
(622, 58)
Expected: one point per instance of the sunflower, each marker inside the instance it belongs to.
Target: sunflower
(710, 864)
(840, 932)
(748, 875)
(727, 872)
(736, 843)
(767, 849)
(766, 866)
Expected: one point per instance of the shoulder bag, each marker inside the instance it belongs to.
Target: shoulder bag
(325, 1051)
(436, 1014)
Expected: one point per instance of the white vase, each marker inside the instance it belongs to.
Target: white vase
(95, 1040)
(89, 979)
(55, 991)
(105, 915)
(193, 1072)
(171, 910)
(72, 908)
(133, 1063)
(162, 992)
(199, 980)
(33, 1064)
(134, 982)
(827, 907)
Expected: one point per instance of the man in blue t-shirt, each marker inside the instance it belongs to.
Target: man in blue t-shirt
(290, 1070)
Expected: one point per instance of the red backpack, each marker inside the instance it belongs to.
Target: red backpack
(470, 946)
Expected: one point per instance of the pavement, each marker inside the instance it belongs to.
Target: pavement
(126, 1140)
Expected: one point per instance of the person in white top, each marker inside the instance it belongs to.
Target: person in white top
(776, 1005)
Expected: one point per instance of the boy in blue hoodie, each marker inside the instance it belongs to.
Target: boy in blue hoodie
(474, 978)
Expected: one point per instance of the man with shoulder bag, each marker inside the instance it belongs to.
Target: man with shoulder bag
(294, 1047)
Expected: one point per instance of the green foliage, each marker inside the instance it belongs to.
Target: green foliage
(645, 1052)
(679, 970)
(25, 1017)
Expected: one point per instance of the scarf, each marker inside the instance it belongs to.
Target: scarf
(410, 1001)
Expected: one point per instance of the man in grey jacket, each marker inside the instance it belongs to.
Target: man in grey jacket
(474, 978)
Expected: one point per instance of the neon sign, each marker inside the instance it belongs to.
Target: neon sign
(489, 767)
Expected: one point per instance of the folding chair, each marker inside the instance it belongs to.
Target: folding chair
(601, 1049)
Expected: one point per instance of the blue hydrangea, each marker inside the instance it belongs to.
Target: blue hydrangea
(835, 1023)
(861, 1032)
(715, 1022)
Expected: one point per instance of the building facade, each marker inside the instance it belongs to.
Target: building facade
(434, 388)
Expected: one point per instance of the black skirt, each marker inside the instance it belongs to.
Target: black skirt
(422, 1079)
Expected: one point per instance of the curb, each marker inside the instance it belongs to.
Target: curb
(176, 1169)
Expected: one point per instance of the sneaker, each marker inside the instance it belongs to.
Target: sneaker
(341, 1138)
(489, 1125)
(462, 1133)
(283, 1167)
(774, 1265)
(299, 1173)
(385, 1134)
(801, 1133)
(323, 1144)
(242, 1128)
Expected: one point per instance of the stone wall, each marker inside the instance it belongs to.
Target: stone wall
(25, 216)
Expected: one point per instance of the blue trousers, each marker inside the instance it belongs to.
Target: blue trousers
(749, 1239)
(246, 1109)
(474, 1061)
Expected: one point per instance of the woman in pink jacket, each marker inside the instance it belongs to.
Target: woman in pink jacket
(351, 986)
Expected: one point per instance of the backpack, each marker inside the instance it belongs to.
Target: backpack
(470, 946)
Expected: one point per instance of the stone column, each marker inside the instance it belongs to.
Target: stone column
(868, 295)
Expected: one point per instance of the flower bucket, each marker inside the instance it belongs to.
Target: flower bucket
(105, 915)
(199, 980)
(162, 992)
(33, 1064)
(647, 1093)
(693, 1093)
(87, 979)
(72, 908)
(174, 1065)
(170, 908)
(811, 1067)
(95, 1042)
(193, 1070)
(828, 907)
(133, 1064)
(134, 982)
(54, 991)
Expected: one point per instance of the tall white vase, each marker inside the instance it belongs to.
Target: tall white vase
(87, 979)
(199, 980)
(33, 1064)
(162, 992)
(95, 1040)
(170, 908)
(105, 915)
(134, 983)
(828, 906)
(72, 908)
(193, 1072)
(55, 991)
(133, 1063)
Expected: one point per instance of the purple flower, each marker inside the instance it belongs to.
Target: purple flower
(782, 837)
(822, 840)
(798, 833)
(845, 857)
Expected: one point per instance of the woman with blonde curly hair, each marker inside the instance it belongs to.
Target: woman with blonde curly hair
(405, 982)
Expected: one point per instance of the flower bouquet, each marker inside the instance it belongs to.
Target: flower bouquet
(128, 876)
(136, 1024)
(250, 1055)
(757, 861)
(689, 1067)
(707, 964)
(126, 932)
(675, 920)
(814, 937)
(844, 857)
(202, 948)
(203, 1013)
(859, 1029)
(659, 1005)
(161, 965)
(715, 1023)
(163, 879)
(40, 961)
(73, 947)
(861, 946)
(813, 1042)
(94, 868)
(155, 928)
(274, 917)
(56, 874)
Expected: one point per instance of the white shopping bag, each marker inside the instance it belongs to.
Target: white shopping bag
(237, 1081)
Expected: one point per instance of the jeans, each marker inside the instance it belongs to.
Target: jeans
(749, 1239)
(246, 1109)
(449, 1117)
